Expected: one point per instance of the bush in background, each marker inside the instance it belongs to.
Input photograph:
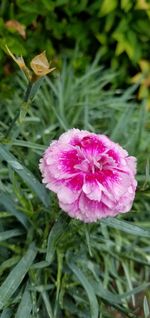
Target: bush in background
(118, 29)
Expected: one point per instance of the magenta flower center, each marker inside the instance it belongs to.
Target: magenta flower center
(89, 156)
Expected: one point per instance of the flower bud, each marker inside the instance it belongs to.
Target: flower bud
(40, 65)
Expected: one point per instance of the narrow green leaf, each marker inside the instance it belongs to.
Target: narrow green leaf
(10, 233)
(106, 294)
(9, 263)
(111, 297)
(47, 304)
(40, 265)
(88, 288)
(88, 240)
(117, 298)
(35, 87)
(24, 109)
(25, 174)
(146, 308)
(6, 313)
(15, 277)
(25, 305)
(134, 291)
(56, 232)
(8, 203)
(126, 227)
(27, 144)
(122, 123)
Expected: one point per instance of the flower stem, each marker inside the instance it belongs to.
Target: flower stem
(28, 92)
(25, 100)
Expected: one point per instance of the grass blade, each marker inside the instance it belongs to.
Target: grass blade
(27, 144)
(56, 232)
(88, 288)
(122, 124)
(9, 263)
(8, 203)
(26, 175)
(10, 233)
(146, 308)
(16, 276)
(47, 304)
(126, 227)
(25, 305)
(6, 313)
(134, 291)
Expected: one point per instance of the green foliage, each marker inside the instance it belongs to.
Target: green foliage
(118, 29)
(16, 276)
(52, 266)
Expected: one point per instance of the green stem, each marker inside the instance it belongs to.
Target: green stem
(12, 124)
(25, 100)
(28, 92)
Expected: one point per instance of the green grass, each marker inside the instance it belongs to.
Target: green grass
(52, 266)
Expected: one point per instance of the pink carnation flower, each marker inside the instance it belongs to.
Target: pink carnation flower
(93, 177)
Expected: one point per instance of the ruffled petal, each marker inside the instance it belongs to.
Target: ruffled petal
(92, 210)
(92, 188)
(67, 196)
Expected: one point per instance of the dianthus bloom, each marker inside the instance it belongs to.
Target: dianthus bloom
(93, 177)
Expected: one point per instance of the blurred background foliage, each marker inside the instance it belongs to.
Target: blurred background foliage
(118, 29)
(111, 264)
